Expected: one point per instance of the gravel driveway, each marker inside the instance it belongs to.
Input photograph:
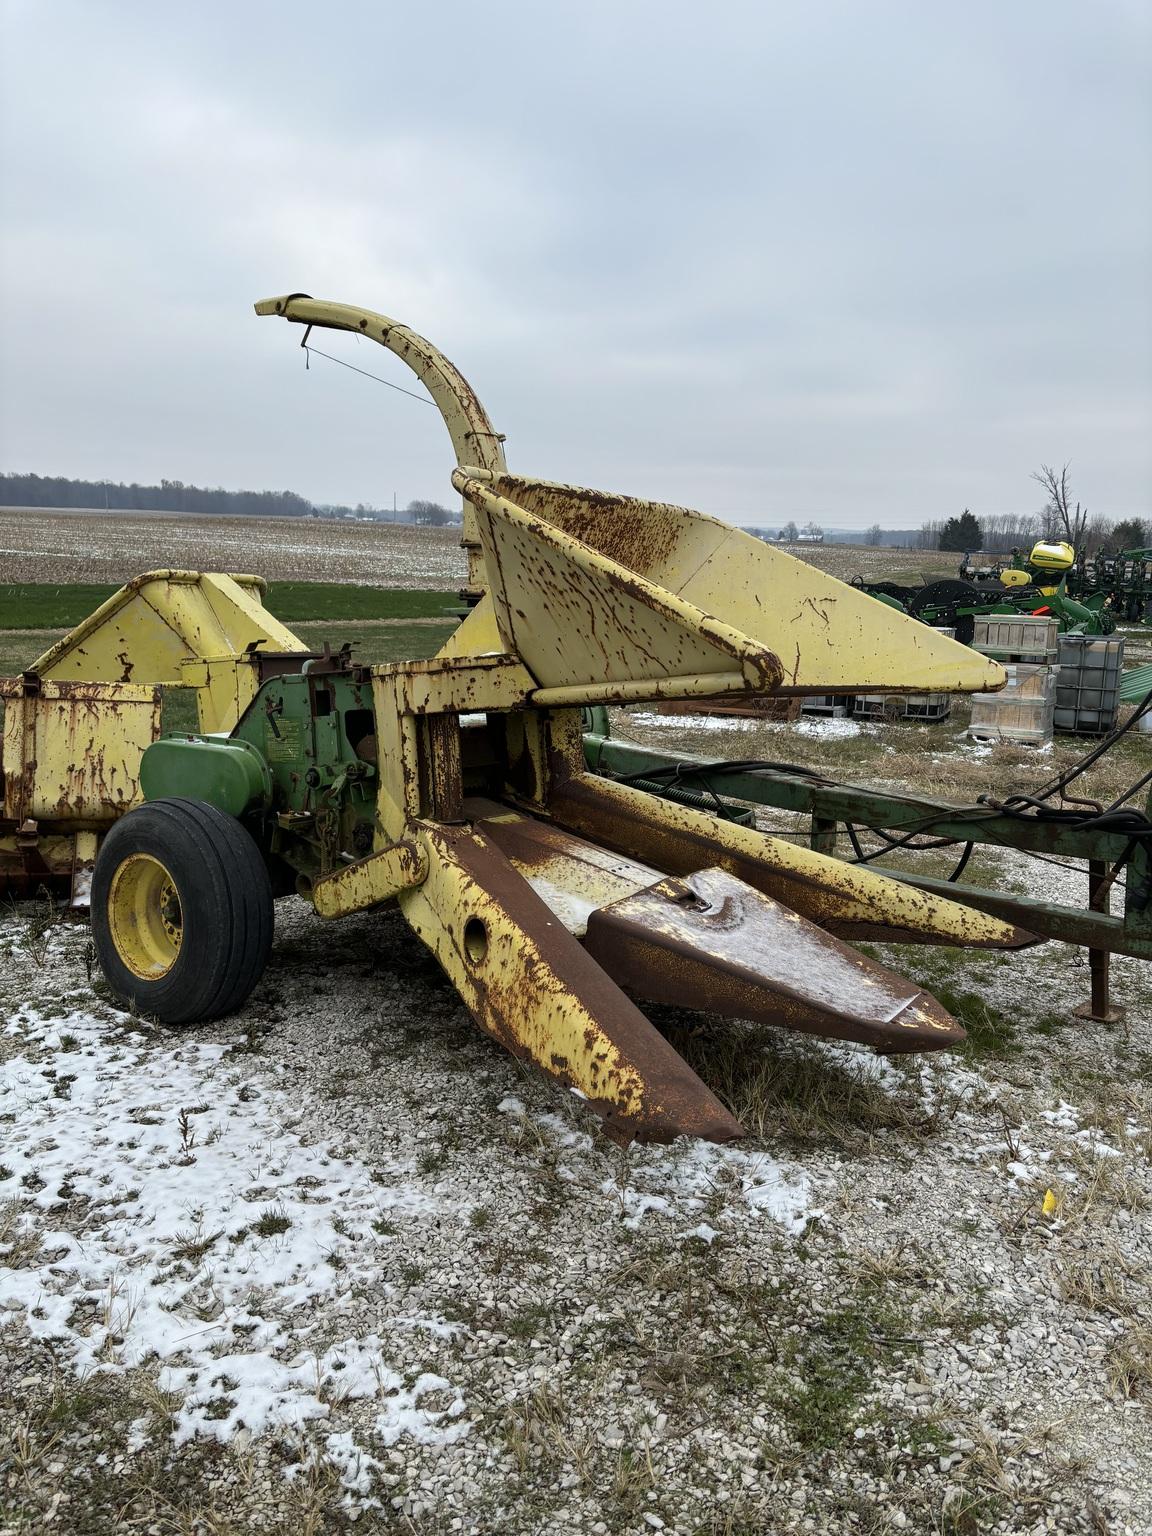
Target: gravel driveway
(340, 1261)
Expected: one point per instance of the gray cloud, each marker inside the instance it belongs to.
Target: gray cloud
(852, 262)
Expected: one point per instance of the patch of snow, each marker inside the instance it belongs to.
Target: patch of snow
(212, 1233)
(1063, 1118)
(828, 728)
(699, 722)
(683, 1177)
(704, 1232)
(678, 1180)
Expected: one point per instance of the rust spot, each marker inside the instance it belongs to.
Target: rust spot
(640, 535)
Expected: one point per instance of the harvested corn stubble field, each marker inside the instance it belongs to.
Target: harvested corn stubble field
(339, 1262)
(42, 545)
(47, 546)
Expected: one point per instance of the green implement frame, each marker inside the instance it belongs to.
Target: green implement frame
(1110, 852)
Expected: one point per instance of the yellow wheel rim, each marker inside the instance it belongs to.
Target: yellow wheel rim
(144, 916)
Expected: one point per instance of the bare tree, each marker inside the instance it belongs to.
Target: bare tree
(874, 535)
(429, 513)
(1098, 534)
(1060, 516)
(789, 532)
(1010, 530)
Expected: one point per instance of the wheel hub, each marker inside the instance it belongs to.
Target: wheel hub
(145, 916)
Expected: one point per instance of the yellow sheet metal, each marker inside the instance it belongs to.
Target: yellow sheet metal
(181, 627)
(737, 594)
(850, 900)
(370, 881)
(72, 750)
(156, 622)
(580, 620)
(531, 985)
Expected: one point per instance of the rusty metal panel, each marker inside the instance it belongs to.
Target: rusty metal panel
(460, 683)
(442, 772)
(572, 876)
(398, 792)
(72, 750)
(161, 624)
(709, 941)
(58, 862)
(847, 899)
(370, 881)
(579, 619)
(531, 985)
(828, 636)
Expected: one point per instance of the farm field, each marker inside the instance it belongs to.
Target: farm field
(41, 546)
(904, 565)
(339, 1263)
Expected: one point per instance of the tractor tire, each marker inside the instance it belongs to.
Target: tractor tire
(181, 911)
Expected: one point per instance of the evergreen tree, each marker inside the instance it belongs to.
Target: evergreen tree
(1130, 534)
(962, 533)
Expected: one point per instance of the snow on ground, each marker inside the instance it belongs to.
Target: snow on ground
(214, 1230)
(353, 1240)
(682, 1180)
(823, 729)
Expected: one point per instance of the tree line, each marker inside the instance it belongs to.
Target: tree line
(1061, 518)
(27, 490)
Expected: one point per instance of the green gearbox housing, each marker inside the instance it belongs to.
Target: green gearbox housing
(299, 768)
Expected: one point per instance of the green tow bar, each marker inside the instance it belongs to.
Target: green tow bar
(831, 805)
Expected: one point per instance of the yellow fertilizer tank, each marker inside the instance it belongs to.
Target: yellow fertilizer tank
(1052, 557)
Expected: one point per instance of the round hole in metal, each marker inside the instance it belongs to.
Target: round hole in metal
(475, 939)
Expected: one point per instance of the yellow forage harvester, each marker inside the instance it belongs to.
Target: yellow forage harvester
(457, 787)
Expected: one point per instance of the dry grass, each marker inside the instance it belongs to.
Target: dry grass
(1130, 1362)
(206, 1491)
(777, 1086)
(1102, 1280)
(936, 761)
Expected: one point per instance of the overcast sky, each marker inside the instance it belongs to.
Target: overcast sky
(852, 261)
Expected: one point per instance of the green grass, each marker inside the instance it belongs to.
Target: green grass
(46, 605)
(299, 601)
(20, 651)
(370, 644)
(387, 642)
